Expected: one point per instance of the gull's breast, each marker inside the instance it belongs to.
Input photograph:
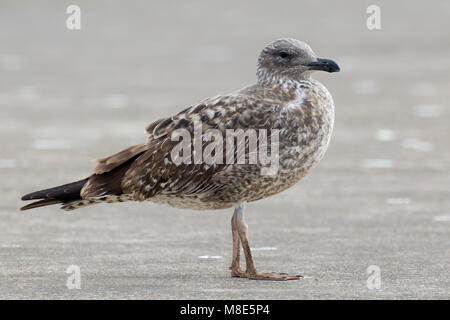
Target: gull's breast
(308, 124)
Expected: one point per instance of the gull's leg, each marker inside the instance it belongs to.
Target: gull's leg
(235, 267)
(251, 271)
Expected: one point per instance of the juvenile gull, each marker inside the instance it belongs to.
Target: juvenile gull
(285, 98)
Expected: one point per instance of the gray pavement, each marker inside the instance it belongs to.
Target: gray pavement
(381, 196)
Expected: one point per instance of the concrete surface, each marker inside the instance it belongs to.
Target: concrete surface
(380, 197)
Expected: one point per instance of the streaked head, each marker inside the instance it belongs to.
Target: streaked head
(291, 59)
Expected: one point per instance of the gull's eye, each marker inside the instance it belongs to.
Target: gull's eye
(284, 54)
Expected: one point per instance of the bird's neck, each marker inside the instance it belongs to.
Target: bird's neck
(264, 78)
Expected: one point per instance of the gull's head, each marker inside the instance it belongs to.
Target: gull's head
(292, 60)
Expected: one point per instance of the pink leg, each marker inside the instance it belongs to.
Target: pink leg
(250, 272)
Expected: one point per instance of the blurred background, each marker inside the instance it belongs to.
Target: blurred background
(379, 197)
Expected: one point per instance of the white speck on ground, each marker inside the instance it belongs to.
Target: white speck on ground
(378, 163)
(417, 145)
(385, 135)
(441, 218)
(12, 62)
(116, 101)
(428, 110)
(7, 163)
(52, 144)
(27, 93)
(398, 201)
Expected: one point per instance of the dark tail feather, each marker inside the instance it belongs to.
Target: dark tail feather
(60, 194)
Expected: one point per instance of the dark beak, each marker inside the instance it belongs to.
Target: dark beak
(324, 65)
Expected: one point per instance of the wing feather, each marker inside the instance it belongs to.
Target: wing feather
(154, 172)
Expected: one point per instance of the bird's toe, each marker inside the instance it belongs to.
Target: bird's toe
(274, 276)
(238, 273)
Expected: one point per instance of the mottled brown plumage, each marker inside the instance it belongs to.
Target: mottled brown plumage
(285, 98)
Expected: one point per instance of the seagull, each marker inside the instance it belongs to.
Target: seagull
(284, 100)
